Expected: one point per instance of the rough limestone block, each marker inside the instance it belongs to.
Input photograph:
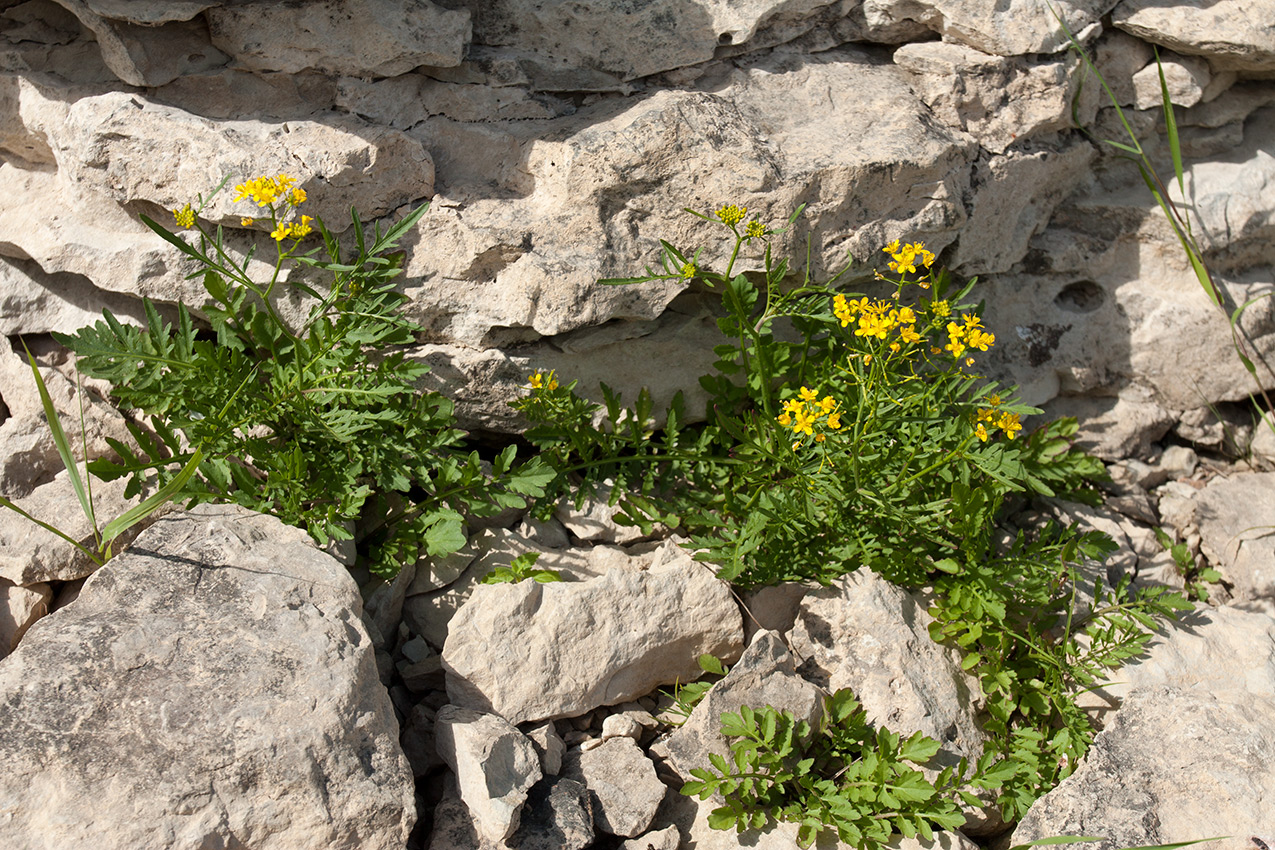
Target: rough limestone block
(626, 792)
(211, 687)
(764, 675)
(532, 651)
(1233, 515)
(1233, 34)
(1174, 765)
(495, 767)
(868, 635)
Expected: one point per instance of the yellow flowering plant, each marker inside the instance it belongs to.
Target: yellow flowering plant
(855, 429)
(319, 423)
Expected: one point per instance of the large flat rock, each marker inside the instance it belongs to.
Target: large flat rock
(211, 687)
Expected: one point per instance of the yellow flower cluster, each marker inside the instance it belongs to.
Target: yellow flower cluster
(754, 230)
(295, 229)
(968, 333)
(266, 190)
(989, 417)
(543, 381)
(732, 214)
(802, 414)
(877, 318)
(689, 270)
(185, 216)
(906, 257)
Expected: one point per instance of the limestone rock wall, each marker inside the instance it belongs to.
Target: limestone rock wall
(557, 142)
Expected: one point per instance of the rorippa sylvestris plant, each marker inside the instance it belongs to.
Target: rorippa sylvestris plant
(320, 425)
(864, 436)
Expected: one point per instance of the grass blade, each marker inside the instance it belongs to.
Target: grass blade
(11, 506)
(127, 520)
(63, 446)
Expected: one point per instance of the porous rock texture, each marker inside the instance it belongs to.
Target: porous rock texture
(1174, 762)
(213, 686)
(532, 651)
(557, 142)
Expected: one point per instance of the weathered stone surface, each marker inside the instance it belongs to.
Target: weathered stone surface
(1010, 28)
(594, 521)
(368, 38)
(1129, 788)
(1124, 426)
(665, 355)
(1210, 650)
(1234, 517)
(626, 40)
(433, 598)
(332, 161)
(765, 675)
(618, 173)
(212, 685)
(558, 816)
(1233, 34)
(91, 236)
(150, 55)
(997, 100)
(1187, 78)
(495, 767)
(31, 554)
(28, 454)
(532, 651)
(623, 786)
(658, 839)
(33, 302)
(868, 635)
(20, 607)
(405, 101)
(150, 12)
(550, 746)
(1003, 218)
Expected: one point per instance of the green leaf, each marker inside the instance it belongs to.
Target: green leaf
(61, 442)
(162, 496)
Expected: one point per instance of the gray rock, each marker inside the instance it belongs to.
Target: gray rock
(624, 789)
(866, 634)
(1211, 650)
(558, 817)
(533, 651)
(212, 685)
(495, 767)
(997, 100)
(765, 675)
(488, 272)
(20, 607)
(1234, 516)
(371, 38)
(658, 839)
(594, 521)
(1011, 28)
(31, 554)
(550, 746)
(1124, 426)
(149, 55)
(624, 40)
(33, 302)
(444, 584)
(1129, 788)
(1233, 34)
